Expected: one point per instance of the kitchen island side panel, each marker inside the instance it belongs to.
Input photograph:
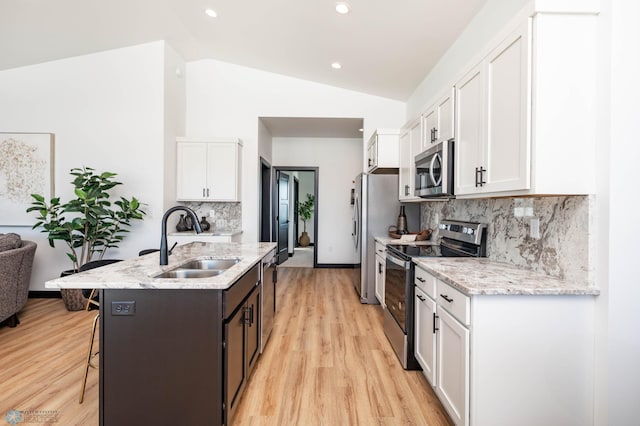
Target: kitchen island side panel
(162, 364)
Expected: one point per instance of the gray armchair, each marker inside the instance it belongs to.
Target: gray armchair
(15, 274)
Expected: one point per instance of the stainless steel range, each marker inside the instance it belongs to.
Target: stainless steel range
(457, 239)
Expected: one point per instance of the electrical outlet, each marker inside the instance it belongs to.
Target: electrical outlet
(123, 308)
(534, 228)
(212, 214)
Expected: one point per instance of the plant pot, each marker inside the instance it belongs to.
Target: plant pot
(304, 239)
(72, 297)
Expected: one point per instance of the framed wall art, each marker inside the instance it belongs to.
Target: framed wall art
(26, 167)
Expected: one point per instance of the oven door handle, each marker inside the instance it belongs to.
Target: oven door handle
(402, 263)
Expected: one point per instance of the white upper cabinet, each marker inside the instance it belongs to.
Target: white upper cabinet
(208, 170)
(383, 151)
(410, 146)
(525, 115)
(439, 120)
(468, 145)
(493, 149)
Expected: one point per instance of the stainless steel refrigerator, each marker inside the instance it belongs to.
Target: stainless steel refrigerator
(375, 208)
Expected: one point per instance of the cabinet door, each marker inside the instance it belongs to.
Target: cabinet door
(469, 130)
(404, 170)
(452, 385)
(191, 171)
(222, 172)
(507, 154)
(445, 117)
(426, 335)
(380, 275)
(253, 329)
(234, 360)
(430, 128)
(372, 154)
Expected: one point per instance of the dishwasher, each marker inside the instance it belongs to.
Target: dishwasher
(268, 299)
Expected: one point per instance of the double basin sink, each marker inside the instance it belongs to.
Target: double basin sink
(199, 268)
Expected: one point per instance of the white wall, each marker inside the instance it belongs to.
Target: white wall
(618, 317)
(482, 28)
(338, 162)
(106, 110)
(174, 118)
(226, 100)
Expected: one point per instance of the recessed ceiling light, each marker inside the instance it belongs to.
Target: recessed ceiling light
(212, 13)
(336, 65)
(342, 8)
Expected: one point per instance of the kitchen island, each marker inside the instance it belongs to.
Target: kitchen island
(176, 350)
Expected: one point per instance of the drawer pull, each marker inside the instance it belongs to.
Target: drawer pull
(420, 279)
(447, 298)
(420, 297)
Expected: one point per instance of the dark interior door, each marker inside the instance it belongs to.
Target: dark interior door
(296, 198)
(283, 217)
(265, 202)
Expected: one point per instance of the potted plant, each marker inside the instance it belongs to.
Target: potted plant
(89, 224)
(305, 210)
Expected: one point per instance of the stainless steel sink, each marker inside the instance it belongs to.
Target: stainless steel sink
(199, 268)
(218, 264)
(189, 273)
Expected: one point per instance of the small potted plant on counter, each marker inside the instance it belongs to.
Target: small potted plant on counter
(89, 224)
(305, 210)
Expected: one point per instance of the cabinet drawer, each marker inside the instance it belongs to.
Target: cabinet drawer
(234, 295)
(425, 282)
(452, 300)
(381, 249)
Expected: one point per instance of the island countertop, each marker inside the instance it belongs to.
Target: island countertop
(481, 276)
(138, 273)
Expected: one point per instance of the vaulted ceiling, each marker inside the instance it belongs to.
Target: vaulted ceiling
(385, 47)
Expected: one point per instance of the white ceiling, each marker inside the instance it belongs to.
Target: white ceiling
(386, 47)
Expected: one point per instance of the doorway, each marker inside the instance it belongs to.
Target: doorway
(265, 201)
(301, 182)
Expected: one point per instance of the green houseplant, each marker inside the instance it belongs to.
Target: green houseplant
(305, 210)
(89, 224)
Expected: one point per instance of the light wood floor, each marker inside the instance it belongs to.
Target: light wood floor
(328, 362)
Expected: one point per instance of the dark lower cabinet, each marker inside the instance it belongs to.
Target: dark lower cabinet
(177, 356)
(242, 348)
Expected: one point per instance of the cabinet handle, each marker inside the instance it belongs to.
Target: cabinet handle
(420, 279)
(422, 299)
(369, 162)
(207, 192)
(406, 190)
(203, 193)
(480, 176)
(248, 316)
(446, 297)
(435, 318)
(435, 134)
(379, 268)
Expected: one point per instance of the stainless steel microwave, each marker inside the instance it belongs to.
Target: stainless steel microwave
(434, 171)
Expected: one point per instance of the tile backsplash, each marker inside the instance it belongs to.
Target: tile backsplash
(228, 216)
(563, 247)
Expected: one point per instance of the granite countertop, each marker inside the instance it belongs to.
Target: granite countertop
(474, 276)
(218, 232)
(388, 240)
(137, 273)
